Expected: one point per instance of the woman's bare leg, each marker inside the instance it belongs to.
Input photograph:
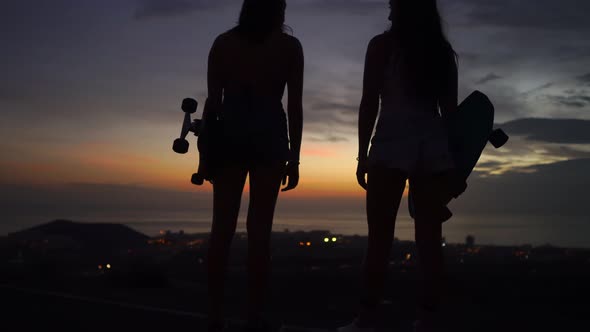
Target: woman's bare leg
(384, 192)
(227, 194)
(265, 181)
(428, 242)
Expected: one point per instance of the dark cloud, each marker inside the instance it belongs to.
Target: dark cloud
(167, 8)
(564, 131)
(489, 164)
(335, 106)
(324, 110)
(470, 57)
(488, 78)
(584, 79)
(567, 152)
(539, 88)
(575, 100)
(555, 189)
(508, 102)
(329, 138)
(355, 7)
(541, 14)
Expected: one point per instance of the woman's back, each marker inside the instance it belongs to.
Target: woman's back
(259, 68)
(251, 76)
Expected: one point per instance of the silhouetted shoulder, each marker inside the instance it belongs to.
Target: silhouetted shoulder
(292, 41)
(379, 42)
(377, 51)
(289, 44)
(223, 38)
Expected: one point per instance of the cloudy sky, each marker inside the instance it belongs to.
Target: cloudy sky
(90, 93)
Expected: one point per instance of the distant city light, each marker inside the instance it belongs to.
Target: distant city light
(408, 257)
(108, 266)
(334, 239)
(326, 240)
(100, 267)
(444, 244)
(308, 244)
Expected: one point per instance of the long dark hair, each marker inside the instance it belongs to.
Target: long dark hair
(422, 49)
(260, 18)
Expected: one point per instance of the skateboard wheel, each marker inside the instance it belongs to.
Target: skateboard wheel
(180, 146)
(498, 138)
(197, 179)
(189, 105)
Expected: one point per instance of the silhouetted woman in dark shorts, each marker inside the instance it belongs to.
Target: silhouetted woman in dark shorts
(249, 68)
(412, 70)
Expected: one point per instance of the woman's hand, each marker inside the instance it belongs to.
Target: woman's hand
(291, 177)
(361, 173)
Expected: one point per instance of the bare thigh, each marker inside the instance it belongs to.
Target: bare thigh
(265, 182)
(384, 193)
(228, 186)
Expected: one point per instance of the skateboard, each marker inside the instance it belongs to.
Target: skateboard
(206, 143)
(470, 128)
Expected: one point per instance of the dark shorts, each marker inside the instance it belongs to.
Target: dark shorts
(253, 149)
(253, 131)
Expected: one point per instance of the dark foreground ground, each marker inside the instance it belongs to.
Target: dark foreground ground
(481, 297)
(65, 276)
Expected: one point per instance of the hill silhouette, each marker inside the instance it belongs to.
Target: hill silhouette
(84, 235)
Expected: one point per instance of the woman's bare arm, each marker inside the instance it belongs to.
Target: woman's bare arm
(214, 79)
(295, 103)
(370, 100)
(295, 115)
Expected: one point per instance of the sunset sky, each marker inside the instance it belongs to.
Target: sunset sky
(90, 93)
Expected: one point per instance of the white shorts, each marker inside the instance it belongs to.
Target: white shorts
(414, 142)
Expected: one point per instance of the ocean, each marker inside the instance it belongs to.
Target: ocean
(564, 231)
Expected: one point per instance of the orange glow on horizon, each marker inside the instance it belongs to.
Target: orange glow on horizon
(326, 170)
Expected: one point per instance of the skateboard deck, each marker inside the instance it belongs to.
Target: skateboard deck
(469, 130)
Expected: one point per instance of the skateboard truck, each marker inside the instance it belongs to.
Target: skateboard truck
(498, 138)
(181, 145)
